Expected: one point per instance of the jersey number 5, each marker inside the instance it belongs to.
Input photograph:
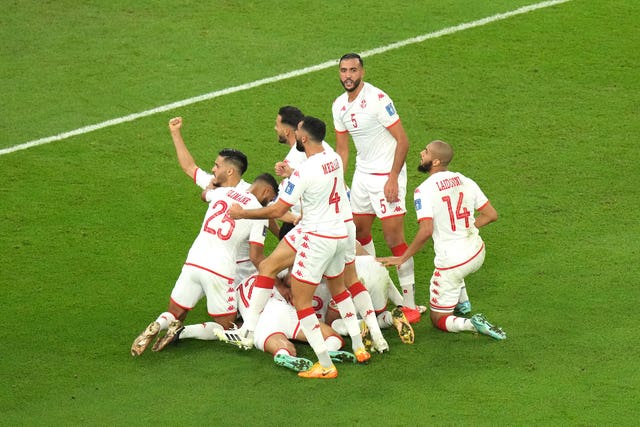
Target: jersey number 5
(220, 208)
(461, 212)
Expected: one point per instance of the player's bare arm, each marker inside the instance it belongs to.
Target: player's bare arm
(342, 148)
(184, 156)
(402, 148)
(424, 233)
(487, 215)
(274, 210)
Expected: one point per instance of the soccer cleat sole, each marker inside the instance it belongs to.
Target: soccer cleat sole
(297, 364)
(342, 357)
(402, 325)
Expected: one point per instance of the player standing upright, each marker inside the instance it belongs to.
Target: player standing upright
(446, 204)
(380, 180)
(320, 245)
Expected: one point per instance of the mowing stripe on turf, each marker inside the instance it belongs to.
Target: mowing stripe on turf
(279, 77)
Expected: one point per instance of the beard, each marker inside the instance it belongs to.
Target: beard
(356, 84)
(299, 146)
(425, 167)
(282, 139)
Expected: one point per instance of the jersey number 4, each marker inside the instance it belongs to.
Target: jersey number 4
(220, 208)
(334, 197)
(461, 212)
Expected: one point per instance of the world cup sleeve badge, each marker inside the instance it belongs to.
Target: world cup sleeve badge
(290, 187)
(390, 109)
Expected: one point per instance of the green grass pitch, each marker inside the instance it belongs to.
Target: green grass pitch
(542, 109)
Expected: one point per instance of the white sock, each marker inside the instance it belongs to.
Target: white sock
(339, 326)
(262, 289)
(370, 248)
(406, 278)
(311, 328)
(364, 305)
(333, 343)
(459, 324)
(281, 351)
(385, 320)
(202, 331)
(394, 294)
(164, 319)
(347, 312)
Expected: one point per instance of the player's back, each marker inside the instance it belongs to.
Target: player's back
(451, 201)
(319, 183)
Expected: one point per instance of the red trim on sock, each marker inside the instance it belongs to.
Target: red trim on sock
(365, 240)
(341, 297)
(399, 250)
(309, 311)
(356, 288)
(442, 323)
(264, 282)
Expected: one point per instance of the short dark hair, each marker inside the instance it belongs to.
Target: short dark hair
(290, 115)
(314, 127)
(352, 56)
(236, 158)
(268, 179)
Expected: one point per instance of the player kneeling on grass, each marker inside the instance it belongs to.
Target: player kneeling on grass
(446, 203)
(203, 274)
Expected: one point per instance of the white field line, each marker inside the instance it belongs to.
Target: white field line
(279, 77)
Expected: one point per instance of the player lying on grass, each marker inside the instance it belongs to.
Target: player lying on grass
(277, 326)
(375, 278)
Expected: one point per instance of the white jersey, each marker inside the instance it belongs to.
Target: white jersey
(294, 159)
(319, 185)
(450, 199)
(376, 279)
(216, 247)
(245, 267)
(368, 118)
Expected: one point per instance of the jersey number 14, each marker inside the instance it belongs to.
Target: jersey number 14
(460, 213)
